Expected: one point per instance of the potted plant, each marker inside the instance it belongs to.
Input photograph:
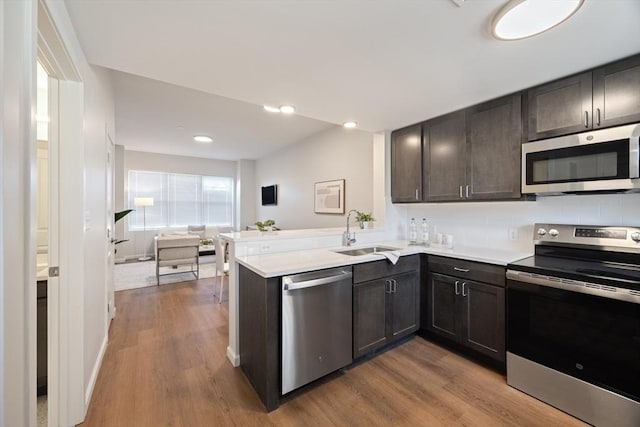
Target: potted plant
(117, 217)
(365, 219)
(268, 225)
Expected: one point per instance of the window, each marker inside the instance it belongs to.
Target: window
(180, 200)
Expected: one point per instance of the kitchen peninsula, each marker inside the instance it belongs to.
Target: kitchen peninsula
(260, 261)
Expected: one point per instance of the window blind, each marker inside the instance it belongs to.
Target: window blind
(180, 199)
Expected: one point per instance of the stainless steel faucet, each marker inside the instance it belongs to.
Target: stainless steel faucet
(347, 240)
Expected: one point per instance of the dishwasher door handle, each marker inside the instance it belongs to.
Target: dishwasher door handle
(290, 285)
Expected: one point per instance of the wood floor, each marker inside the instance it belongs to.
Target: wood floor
(166, 365)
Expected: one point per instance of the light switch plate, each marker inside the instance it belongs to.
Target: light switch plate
(513, 234)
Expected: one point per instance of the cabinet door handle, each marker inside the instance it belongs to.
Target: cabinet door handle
(394, 285)
(463, 270)
(463, 293)
(598, 116)
(456, 287)
(387, 286)
(461, 196)
(586, 119)
(467, 191)
(417, 194)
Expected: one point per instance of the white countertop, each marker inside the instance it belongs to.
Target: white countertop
(283, 263)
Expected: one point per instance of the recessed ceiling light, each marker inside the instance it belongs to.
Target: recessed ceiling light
(287, 109)
(272, 109)
(519, 19)
(350, 125)
(202, 138)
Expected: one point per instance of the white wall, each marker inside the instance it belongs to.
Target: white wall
(488, 224)
(99, 116)
(137, 160)
(336, 153)
(246, 194)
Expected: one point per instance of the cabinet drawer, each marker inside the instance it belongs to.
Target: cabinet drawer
(478, 271)
(378, 269)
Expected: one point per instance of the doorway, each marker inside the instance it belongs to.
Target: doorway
(59, 218)
(42, 242)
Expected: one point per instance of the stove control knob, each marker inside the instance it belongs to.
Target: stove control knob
(553, 232)
(635, 237)
(541, 231)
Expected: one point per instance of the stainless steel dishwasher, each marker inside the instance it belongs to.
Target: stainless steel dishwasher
(316, 325)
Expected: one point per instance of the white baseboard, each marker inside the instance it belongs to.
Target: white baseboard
(233, 357)
(94, 375)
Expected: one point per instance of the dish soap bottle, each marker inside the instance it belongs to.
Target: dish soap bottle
(424, 232)
(413, 232)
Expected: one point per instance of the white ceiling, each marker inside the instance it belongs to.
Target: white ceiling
(383, 63)
(159, 117)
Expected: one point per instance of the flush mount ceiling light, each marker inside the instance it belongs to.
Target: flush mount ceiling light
(202, 138)
(350, 125)
(287, 109)
(519, 19)
(271, 109)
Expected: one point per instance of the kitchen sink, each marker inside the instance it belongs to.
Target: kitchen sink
(365, 251)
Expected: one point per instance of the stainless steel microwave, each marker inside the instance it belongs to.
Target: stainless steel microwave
(604, 160)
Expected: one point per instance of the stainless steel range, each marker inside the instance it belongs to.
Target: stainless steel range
(573, 322)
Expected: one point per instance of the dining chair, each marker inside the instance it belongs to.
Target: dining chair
(172, 251)
(222, 267)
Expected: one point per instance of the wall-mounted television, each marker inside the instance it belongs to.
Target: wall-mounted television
(270, 195)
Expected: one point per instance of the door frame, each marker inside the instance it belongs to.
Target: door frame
(66, 402)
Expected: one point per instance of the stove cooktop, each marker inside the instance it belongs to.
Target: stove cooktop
(623, 275)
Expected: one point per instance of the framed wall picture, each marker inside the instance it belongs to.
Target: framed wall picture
(329, 197)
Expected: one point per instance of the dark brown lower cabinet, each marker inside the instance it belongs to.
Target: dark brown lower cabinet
(467, 312)
(259, 330)
(384, 310)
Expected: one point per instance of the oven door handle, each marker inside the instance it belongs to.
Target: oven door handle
(569, 285)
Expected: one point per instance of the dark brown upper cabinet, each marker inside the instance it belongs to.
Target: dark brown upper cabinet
(494, 146)
(616, 93)
(406, 164)
(606, 96)
(444, 157)
(471, 154)
(561, 107)
(474, 154)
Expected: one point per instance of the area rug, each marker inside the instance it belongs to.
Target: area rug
(133, 275)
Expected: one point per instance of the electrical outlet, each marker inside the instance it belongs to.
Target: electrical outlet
(513, 234)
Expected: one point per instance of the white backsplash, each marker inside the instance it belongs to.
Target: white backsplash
(493, 224)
